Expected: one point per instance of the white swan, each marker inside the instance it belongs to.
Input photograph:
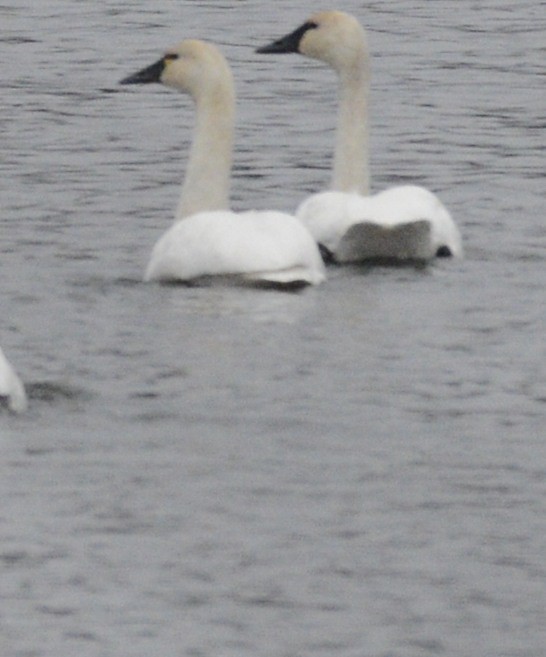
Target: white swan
(207, 241)
(405, 222)
(11, 387)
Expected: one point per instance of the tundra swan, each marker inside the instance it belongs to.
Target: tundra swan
(208, 242)
(404, 222)
(11, 387)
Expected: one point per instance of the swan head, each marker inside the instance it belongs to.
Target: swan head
(334, 37)
(193, 66)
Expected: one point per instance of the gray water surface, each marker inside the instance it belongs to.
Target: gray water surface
(358, 470)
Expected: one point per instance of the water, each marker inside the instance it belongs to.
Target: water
(355, 470)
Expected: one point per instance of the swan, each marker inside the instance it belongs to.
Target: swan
(399, 223)
(12, 389)
(207, 242)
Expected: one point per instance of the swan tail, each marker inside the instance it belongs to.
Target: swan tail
(370, 241)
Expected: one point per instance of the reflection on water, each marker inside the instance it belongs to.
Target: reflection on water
(217, 470)
(250, 305)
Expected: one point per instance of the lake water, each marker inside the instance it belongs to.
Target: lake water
(358, 470)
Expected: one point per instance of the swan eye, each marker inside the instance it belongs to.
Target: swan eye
(170, 57)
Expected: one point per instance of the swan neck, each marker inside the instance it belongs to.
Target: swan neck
(351, 156)
(207, 183)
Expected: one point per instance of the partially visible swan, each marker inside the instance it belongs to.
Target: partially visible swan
(11, 387)
(405, 222)
(207, 241)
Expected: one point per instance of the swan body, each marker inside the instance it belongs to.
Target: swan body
(12, 389)
(246, 247)
(208, 241)
(401, 223)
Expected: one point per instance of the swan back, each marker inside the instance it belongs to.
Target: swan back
(332, 217)
(254, 246)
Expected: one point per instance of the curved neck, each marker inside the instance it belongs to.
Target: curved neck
(351, 157)
(207, 182)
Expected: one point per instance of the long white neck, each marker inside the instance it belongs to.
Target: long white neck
(207, 182)
(351, 169)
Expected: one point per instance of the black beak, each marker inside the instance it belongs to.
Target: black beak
(146, 75)
(288, 43)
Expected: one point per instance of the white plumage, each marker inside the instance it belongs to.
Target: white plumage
(208, 241)
(401, 223)
(406, 222)
(11, 386)
(246, 247)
